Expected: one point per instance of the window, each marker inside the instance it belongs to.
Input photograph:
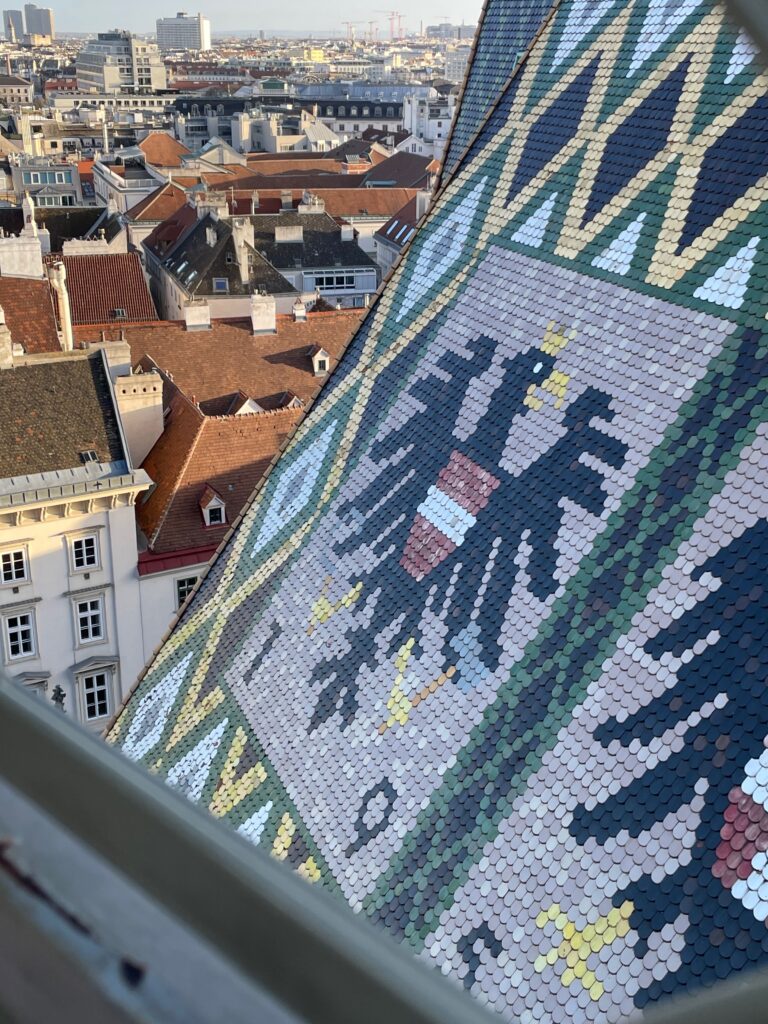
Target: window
(184, 588)
(13, 566)
(96, 695)
(20, 635)
(215, 515)
(90, 620)
(322, 365)
(85, 552)
(221, 285)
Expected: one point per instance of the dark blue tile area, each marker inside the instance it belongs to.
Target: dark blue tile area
(556, 126)
(735, 162)
(505, 34)
(636, 141)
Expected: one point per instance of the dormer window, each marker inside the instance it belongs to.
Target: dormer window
(213, 507)
(321, 360)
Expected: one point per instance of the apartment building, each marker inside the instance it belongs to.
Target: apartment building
(70, 614)
(184, 32)
(119, 62)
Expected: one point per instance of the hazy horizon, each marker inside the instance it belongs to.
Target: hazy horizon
(92, 16)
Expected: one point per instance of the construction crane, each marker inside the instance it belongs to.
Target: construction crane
(373, 31)
(394, 16)
(350, 26)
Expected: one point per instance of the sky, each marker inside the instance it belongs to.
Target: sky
(140, 15)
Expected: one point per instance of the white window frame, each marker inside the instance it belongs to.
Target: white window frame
(184, 581)
(14, 581)
(73, 567)
(215, 503)
(82, 680)
(15, 614)
(89, 610)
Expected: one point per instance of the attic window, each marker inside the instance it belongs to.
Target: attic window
(214, 515)
(213, 507)
(119, 314)
(89, 456)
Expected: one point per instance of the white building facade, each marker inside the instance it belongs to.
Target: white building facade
(118, 62)
(184, 32)
(70, 605)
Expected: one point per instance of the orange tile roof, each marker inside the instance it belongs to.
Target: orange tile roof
(339, 202)
(228, 454)
(266, 164)
(229, 358)
(164, 202)
(163, 150)
(99, 284)
(29, 313)
(162, 237)
(85, 170)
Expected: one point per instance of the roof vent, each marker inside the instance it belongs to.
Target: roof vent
(89, 455)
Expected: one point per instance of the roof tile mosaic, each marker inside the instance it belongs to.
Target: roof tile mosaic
(493, 632)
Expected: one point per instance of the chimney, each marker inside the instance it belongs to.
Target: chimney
(286, 200)
(140, 405)
(118, 355)
(263, 314)
(197, 316)
(254, 202)
(28, 208)
(6, 344)
(347, 233)
(299, 311)
(214, 203)
(58, 277)
(244, 238)
(289, 233)
(422, 203)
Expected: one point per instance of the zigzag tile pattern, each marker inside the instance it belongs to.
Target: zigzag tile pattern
(504, 34)
(488, 654)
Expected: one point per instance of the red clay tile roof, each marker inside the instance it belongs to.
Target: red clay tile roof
(206, 365)
(29, 313)
(228, 454)
(101, 283)
(85, 170)
(400, 227)
(159, 205)
(339, 202)
(162, 150)
(165, 235)
(267, 164)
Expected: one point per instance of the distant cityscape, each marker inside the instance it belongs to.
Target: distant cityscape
(247, 193)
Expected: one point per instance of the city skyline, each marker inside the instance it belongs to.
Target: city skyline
(91, 16)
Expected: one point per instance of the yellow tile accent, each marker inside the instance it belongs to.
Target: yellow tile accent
(284, 837)
(577, 946)
(322, 609)
(232, 790)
